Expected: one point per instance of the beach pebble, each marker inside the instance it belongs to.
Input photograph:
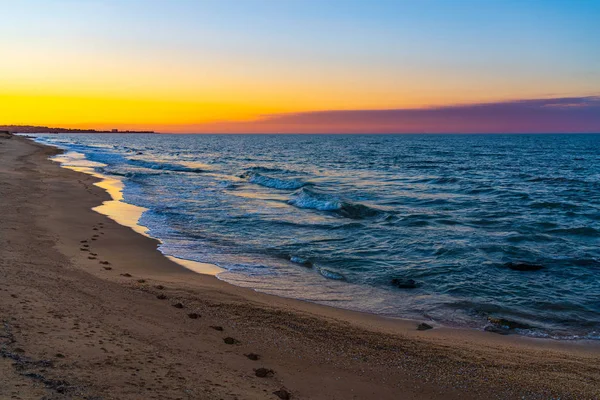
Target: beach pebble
(161, 297)
(159, 287)
(126, 275)
(104, 262)
(178, 305)
(253, 356)
(193, 315)
(107, 268)
(217, 328)
(141, 281)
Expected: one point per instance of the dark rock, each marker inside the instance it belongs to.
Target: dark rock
(217, 328)
(159, 287)
(141, 281)
(283, 394)
(495, 329)
(59, 355)
(507, 324)
(405, 283)
(19, 350)
(253, 356)
(104, 262)
(91, 257)
(424, 327)
(126, 275)
(263, 372)
(193, 315)
(178, 305)
(161, 297)
(230, 340)
(523, 266)
(107, 268)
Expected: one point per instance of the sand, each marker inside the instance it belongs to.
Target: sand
(90, 309)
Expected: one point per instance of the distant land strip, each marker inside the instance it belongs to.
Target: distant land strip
(45, 129)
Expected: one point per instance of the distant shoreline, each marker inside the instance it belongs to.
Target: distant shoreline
(44, 129)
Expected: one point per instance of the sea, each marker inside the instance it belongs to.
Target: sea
(497, 232)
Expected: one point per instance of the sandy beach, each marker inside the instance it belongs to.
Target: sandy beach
(91, 309)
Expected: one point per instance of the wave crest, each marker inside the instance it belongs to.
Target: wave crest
(305, 198)
(166, 166)
(274, 183)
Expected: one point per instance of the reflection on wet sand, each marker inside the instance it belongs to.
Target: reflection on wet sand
(128, 214)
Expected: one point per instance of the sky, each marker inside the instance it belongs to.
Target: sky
(295, 66)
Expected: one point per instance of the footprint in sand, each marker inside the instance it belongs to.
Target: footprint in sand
(283, 394)
(264, 372)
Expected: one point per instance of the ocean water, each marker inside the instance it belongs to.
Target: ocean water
(335, 219)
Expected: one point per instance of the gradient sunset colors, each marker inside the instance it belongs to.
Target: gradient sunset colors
(302, 66)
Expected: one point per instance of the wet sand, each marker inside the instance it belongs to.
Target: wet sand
(90, 309)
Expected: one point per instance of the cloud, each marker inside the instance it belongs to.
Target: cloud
(557, 115)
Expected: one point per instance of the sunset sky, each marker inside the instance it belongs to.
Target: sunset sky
(302, 65)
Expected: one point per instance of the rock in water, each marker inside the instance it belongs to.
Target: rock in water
(405, 283)
(523, 266)
(424, 327)
(495, 329)
(507, 324)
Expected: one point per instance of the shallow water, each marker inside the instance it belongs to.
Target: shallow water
(335, 218)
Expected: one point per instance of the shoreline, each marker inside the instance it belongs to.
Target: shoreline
(315, 351)
(128, 215)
